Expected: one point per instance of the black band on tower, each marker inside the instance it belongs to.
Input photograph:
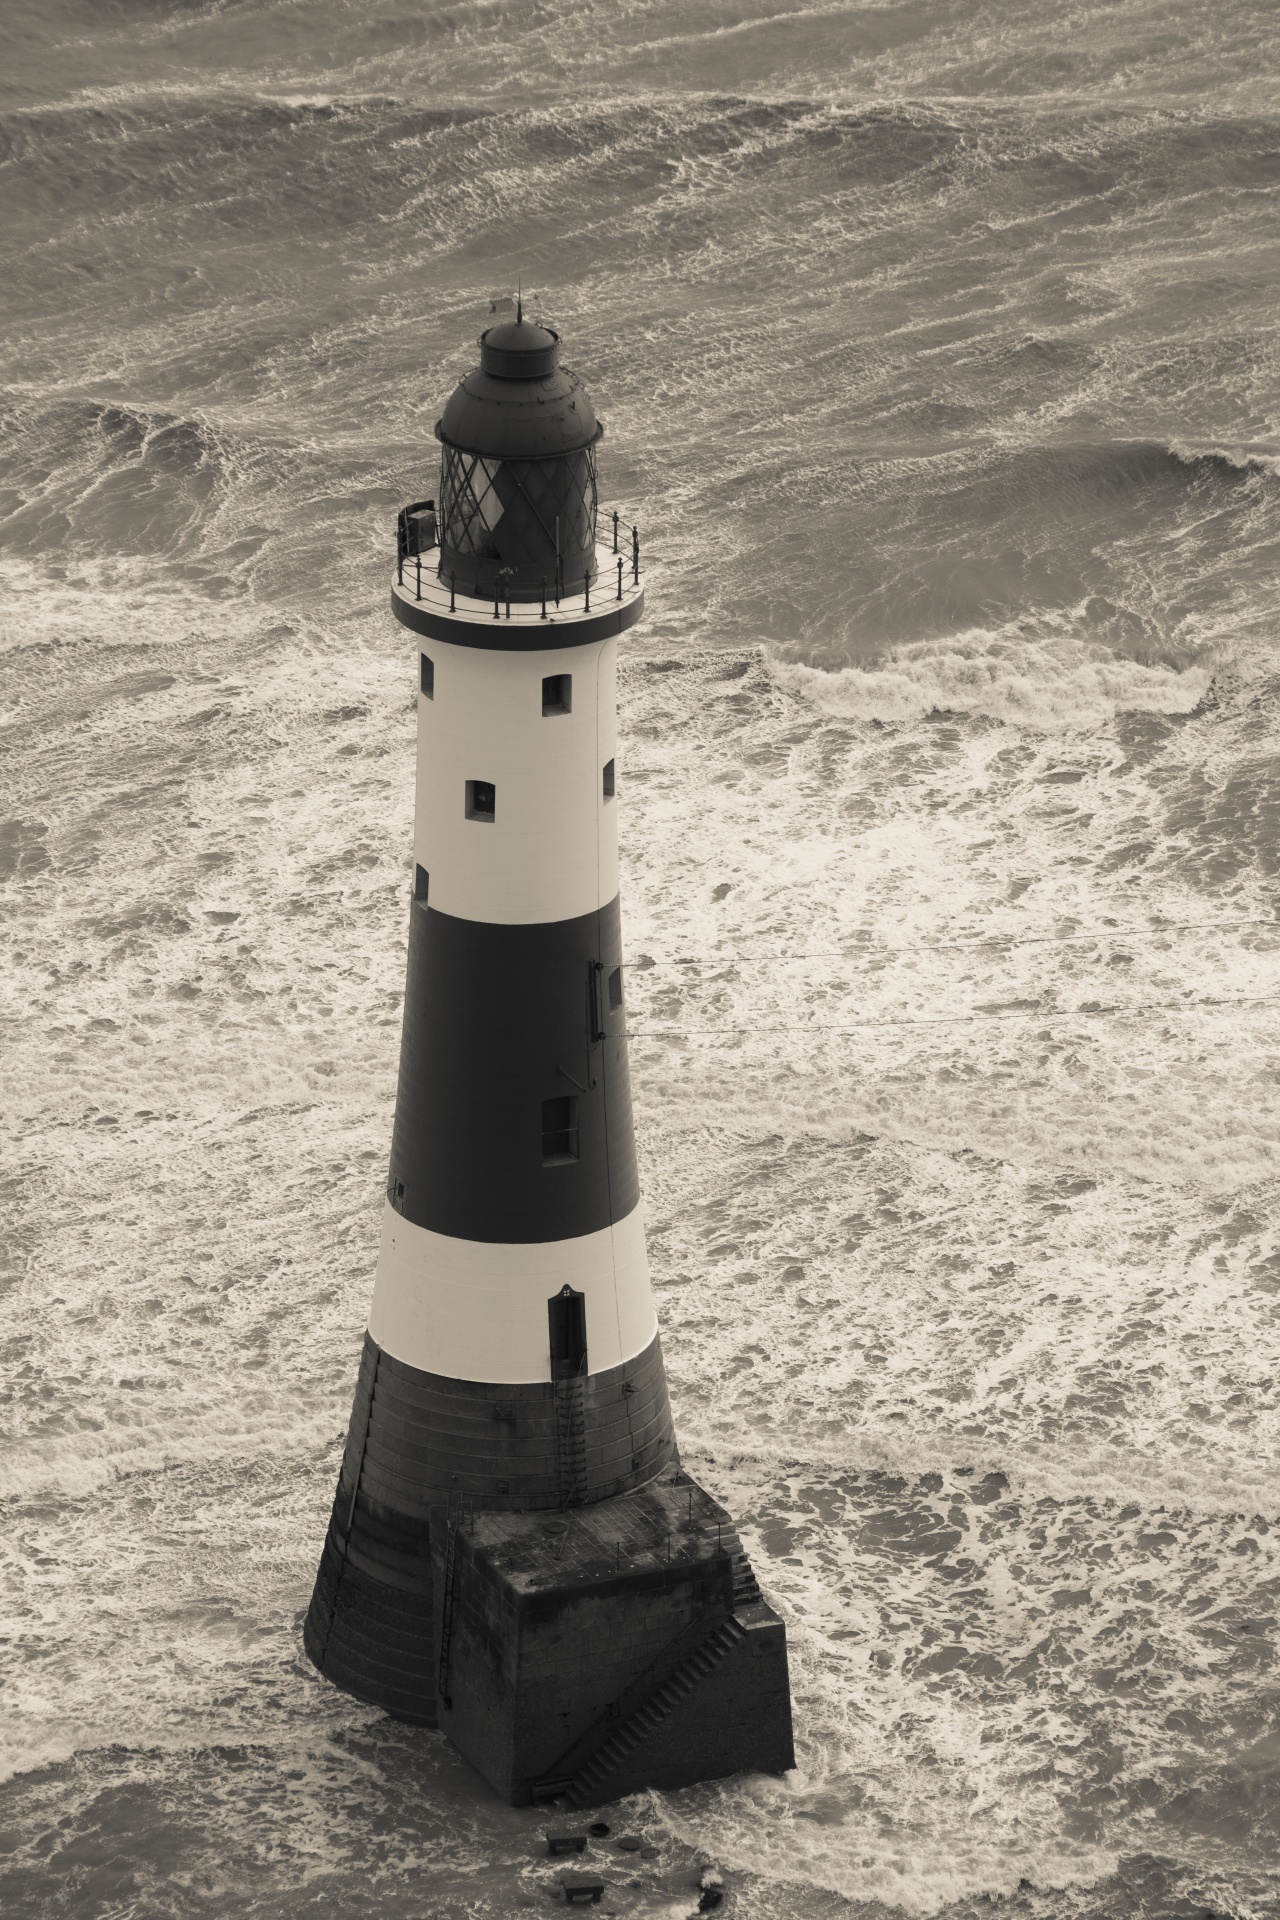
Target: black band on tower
(513, 1111)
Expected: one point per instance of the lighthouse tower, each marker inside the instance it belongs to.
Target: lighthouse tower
(514, 1553)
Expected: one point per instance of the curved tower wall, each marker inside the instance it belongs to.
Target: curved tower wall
(551, 851)
(520, 909)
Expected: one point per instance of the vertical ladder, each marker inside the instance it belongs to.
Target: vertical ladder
(571, 1437)
(446, 1611)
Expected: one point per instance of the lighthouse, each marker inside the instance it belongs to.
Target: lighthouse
(514, 1553)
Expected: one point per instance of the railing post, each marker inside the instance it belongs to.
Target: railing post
(586, 593)
(544, 596)
(615, 530)
(635, 555)
(619, 578)
(417, 559)
(453, 589)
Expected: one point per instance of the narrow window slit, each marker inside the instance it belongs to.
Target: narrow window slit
(427, 676)
(421, 882)
(608, 780)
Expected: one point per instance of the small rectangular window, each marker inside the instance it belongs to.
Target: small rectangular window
(427, 676)
(560, 1130)
(421, 880)
(615, 985)
(608, 780)
(482, 800)
(557, 693)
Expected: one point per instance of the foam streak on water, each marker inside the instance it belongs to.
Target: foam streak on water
(936, 346)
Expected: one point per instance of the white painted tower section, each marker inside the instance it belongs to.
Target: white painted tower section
(477, 1309)
(551, 850)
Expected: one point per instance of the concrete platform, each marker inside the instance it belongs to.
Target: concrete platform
(592, 1652)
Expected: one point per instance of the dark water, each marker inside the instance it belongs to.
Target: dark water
(937, 348)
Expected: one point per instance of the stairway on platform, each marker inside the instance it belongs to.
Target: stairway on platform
(691, 1672)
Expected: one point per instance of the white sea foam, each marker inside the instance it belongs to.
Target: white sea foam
(1045, 681)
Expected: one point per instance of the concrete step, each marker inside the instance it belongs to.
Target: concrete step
(686, 1678)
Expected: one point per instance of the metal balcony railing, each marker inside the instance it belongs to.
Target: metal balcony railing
(417, 538)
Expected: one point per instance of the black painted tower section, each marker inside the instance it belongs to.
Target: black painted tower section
(507, 1018)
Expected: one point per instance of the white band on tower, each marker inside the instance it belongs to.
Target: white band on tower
(537, 730)
(477, 1309)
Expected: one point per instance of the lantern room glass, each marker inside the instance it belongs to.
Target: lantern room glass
(518, 522)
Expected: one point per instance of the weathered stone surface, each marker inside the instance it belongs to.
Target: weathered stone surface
(614, 1627)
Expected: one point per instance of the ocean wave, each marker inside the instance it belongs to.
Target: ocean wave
(1227, 460)
(1075, 554)
(1045, 681)
(109, 477)
(1088, 479)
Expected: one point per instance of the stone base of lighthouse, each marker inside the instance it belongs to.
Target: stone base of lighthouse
(606, 1636)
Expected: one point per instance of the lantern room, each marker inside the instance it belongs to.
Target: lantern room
(517, 510)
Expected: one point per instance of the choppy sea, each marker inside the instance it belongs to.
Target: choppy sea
(937, 346)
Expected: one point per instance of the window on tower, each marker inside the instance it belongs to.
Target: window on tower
(608, 780)
(421, 882)
(557, 693)
(427, 676)
(567, 1318)
(482, 800)
(560, 1130)
(615, 985)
